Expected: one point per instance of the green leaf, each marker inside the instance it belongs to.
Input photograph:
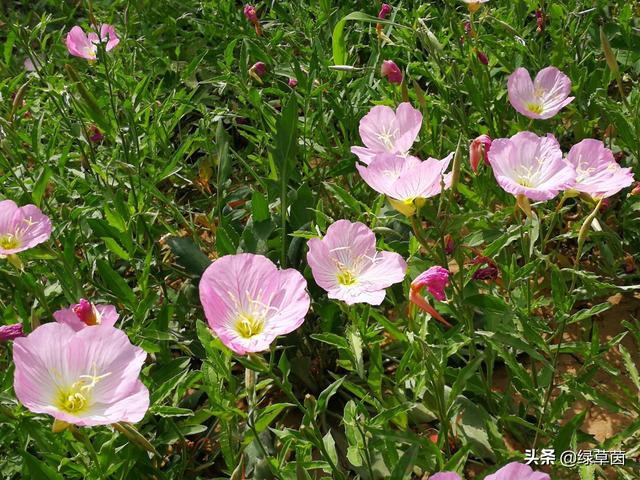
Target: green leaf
(39, 469)
(403, 468)
(338, 41)
(116, 284)
(166, 411)
(188, 255)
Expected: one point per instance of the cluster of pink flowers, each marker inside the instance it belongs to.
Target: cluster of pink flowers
(386, 165)
(534, 166)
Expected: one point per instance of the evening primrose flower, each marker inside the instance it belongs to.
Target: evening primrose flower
(406, 181)
(541, 98)
(384, 131)
(248, 301)
(85, 314)
(597, 172)
(11, 332)
(346, 264)
(86, 378)
(517, 471)
(531, 166)
(390, 70)
(479, 150)
(85, 46)
(21, 228)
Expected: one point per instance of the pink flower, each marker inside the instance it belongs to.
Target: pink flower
(85, 46)
(542, 98)
(384, 131)
(479, 150)
(346, 264)
(517, 471)
(293, 83)
(88, 377)
(21, 228)
(597, 172)
(385, 10)
(528, 165)
(445, 476)
(85, 314)
(390, 70)
(406, 181)
(11, 332)
(435, 279)
(248, 302)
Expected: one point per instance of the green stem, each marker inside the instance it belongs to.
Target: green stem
(563, 322)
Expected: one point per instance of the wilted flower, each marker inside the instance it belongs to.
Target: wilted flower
(95, 135)
(532, 166)
(21, 228)
(384, 131)
(482, 57)
(490, 272)
(539, 20)
(346, 264)
(11, 332)
(86, 378)
(86, 314)
(517, 471)
(248, 302)
(435, 279)
(597, 172)
(636, 189)
(252, 16)
(250, 13)
(541, 98)
(293, 83)
(390, 70)
(406, 181)
(85, 46)
(449, 244)
(479, 150)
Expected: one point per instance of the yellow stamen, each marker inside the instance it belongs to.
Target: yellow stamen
(77, 397)
(249, 325)
(346, 277)
(534, 108)
(9, 241)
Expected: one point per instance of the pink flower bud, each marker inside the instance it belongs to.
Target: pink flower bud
(468, 29)
(391, 71)
(449, 245)
(10, 332)
(384, 11)
(490, 272)
(85, 312)
(539, 20)
(482, 57)
(636, 189)
(479, 150)
(259, 68)
(293, 83)
(250, 13)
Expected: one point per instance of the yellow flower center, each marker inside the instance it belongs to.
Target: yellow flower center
(346, 277)
(9, 241)
(249, 325)
(534, 108)
(77, 397)
(525, 182)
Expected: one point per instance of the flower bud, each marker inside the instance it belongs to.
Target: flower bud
(482, 57)
(390, 70)
(293, 83)
(385, 10)
(250, 13)
(479, 150)
(11, 332)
